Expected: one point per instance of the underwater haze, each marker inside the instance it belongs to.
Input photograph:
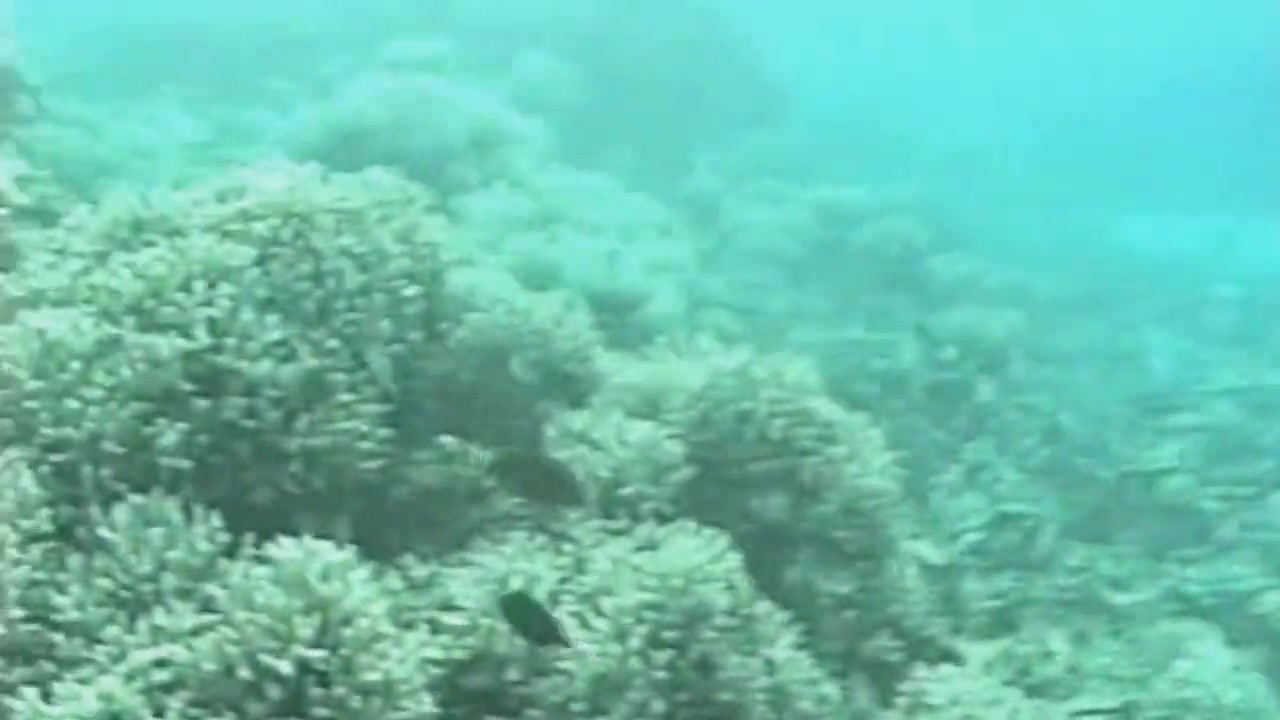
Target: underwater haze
(1167, 106)
(594, 359)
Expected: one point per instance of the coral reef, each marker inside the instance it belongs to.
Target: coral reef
(958, 692)
(297, 628)
(243, 342)
(281, 369)
(450, 135)
(664, 620)
(508, 355)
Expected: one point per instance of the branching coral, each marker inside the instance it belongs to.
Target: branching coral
(665, 622)
(634, 469)
(26, 580)
(764, 426)
(306, 628)
(72, 617)
(508, 356)
(103, 599)
(1167, 667)
(245, 342)
(657, 382)
(625, 252)
(139, 553)
(812, 492)
(959, 692)
(103, 697)
(299, 628)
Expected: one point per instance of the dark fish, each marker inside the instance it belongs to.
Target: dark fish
(1149, 472)
(1121, 709)
(924, 333)
(537, 478)
(532, 620)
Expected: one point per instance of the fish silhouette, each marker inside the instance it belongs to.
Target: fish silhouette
(537, 478)
(531, 620)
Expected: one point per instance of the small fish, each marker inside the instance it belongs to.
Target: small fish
(537, 478)
(1152, 471)
(1121, 709)
(532, 620)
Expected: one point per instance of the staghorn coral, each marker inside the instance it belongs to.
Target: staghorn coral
(812, 492)
(656, 382)
(448, 498)
(1167, 667)
(254, 342)
(959, 692)
(633, 469)
(26, 580)
(133, 556)
(629, 256)
(306, 628)
(298, 628)
(106, 696)
(508, 356)
(102, 600)
(764, 424)
(451, 497)
(664, 619)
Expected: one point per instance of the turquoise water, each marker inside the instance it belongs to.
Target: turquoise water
(801, 360)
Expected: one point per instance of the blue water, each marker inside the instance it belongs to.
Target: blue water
(1168, 105)
(798, 361)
